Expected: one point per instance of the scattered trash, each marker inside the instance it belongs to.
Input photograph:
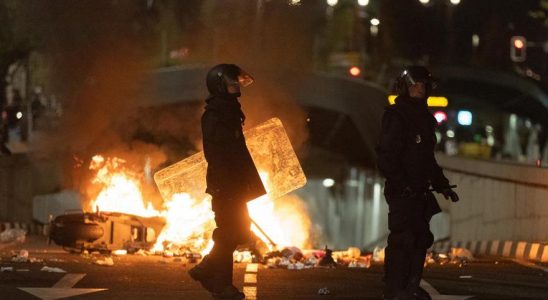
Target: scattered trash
(35, 260)
(141, 252)
(6, 269)
(295, 266)
(22, 256)
(243, 257)
(105, 262)
(56, 260)
(52, 270)
(362, 262)
(324, 291)
(465, 276)
(119, 252)
(461, 253)
(13, 234)
(327, 260)
(378, 254)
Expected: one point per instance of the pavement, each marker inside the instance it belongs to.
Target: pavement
(156, 277)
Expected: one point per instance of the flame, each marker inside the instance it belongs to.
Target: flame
(190, 221)
(121, 192)
(189, 224)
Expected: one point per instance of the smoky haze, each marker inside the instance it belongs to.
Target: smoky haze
(102, 53)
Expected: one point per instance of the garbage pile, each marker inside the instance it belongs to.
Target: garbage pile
(457, 256)
(293, 258)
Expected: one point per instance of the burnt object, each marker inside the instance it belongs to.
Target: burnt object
(104, 231)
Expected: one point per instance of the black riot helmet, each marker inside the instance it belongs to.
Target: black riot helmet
(223, 75)
(411, 76)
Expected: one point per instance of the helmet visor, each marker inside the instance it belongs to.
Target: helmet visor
(242, 79)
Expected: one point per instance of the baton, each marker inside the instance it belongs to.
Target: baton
(264, 233)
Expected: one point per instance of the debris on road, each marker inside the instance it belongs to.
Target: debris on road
(105, 262)
(13, 234)
(6, 269)
(119, 252)
(22, 256)
(461, 253)
(324, 291)
(22, 270)
(465, 276)
(378, 254)
(52, 270)
(141, 252)
(327, 260)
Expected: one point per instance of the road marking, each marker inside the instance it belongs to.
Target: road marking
(62, 289)
(437, 296)
(250, 278)
(250, 292)
(250, 281)
(251, 268)
(68, 281)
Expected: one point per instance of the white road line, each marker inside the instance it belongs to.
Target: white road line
(250, 292)
(68, 281)
(437, 296)
(252, 268)
(250, 278)
(429, 288)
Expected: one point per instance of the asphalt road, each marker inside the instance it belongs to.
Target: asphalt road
(155, 277)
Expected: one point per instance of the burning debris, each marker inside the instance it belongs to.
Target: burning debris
(123, 222)
(281, 173)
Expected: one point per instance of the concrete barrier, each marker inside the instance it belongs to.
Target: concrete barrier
(500, 202)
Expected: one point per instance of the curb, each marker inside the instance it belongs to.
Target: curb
(31, 228)
(519, 250)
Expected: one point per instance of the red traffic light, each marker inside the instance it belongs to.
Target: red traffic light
(518, 44)
(518, 48)
(355, 71)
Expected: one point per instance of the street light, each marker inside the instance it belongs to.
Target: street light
(424, 1)
(375, 22)
(455, 2)
(363, 2)
(332, 2)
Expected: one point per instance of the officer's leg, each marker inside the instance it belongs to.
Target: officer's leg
(234, 230)
(400, 247)
(423, 241)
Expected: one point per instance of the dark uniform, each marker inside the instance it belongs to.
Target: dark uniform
(406, 159)
(232, 181)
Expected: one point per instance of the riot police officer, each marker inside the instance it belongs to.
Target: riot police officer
(406, 159)
(232, 178)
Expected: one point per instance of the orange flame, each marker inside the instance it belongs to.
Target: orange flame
(190, 222)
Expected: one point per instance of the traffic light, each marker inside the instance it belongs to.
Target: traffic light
(355, 71)
(518, 48)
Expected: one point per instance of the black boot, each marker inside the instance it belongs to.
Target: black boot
(204, 274)
(229, 292)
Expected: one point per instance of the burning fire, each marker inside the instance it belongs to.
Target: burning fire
(190, 222)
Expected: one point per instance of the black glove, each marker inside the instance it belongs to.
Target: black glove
(449, 193)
